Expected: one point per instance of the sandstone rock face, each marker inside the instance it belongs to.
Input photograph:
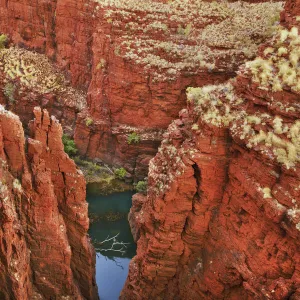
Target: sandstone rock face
(291, 11)
(135, 60)
(221, 219)
(44, 248)
(58, 28)
(145, 54)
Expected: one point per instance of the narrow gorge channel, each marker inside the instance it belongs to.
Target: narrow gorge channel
(195, 104)
(108, 216)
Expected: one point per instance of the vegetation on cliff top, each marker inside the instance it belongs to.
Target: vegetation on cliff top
(277, 70)
(35, 72)
(185, 36)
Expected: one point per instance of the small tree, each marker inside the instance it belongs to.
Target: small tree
(69, 145)
(3, 40)
(133, 138)
(120, 173)
(141, 187)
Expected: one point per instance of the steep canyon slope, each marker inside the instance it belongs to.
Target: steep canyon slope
(134, 59)
(44, 248)
(221, 218)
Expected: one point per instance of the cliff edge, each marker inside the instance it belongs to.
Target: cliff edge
(221, 218)
(44, 248)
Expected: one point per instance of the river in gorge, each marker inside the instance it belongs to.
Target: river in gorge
(109, 218)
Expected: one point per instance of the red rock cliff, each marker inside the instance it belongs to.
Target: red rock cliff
(135, 59)
(59, 28)
(221, 219)
(145, 54)
(44, 248)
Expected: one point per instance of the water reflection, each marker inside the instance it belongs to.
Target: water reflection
(110, 215)
(111, 276)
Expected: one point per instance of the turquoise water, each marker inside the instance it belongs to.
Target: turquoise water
(111, 266)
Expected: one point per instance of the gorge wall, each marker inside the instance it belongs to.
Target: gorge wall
(44, 248)
(221, 218)
(134, 60)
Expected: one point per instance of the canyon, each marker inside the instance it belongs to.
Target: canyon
(134, 60)
(211, 91)
(221, 218)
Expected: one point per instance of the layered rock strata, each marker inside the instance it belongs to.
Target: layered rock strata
(44, 248)
(60, 29)
(145, 54)
(221, 219)
(136, 59)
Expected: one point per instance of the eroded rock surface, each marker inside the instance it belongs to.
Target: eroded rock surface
(135, 60)
(44, 248)
(145, 54)
(221, 219)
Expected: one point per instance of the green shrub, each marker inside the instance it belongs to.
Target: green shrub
(69, 145)
(95, 167)
(3, 40)
(120, 173)
(89, 167)
(89, 121)
(82, 162)
(78, 160)
(184, 31)
(9, 90)
(141, 187)
(133, 138)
